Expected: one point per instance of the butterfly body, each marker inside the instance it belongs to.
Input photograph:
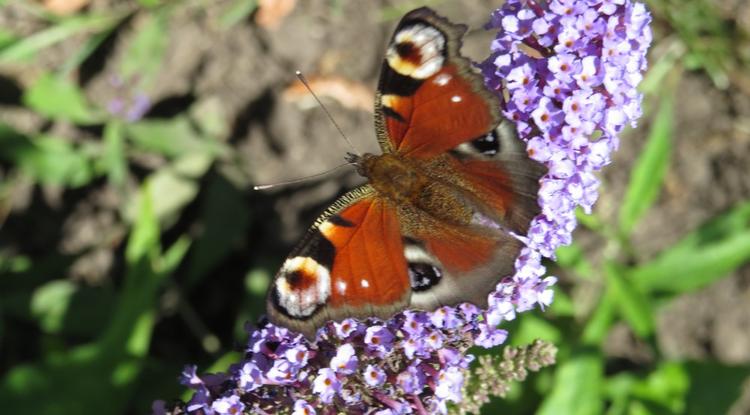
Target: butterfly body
(413, 184)
(435, 224)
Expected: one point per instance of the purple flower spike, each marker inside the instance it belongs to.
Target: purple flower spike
(566, 72)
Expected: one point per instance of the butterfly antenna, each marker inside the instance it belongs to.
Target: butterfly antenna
(301, 179)
(330, 117)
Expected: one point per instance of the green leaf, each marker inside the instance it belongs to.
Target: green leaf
(145, 53)
(59, 98)
(618, 389)
(632, 304)
(648, 172)
(52, 160)
(563, 305)
(703, 256)
(577, 388)
(225, 218)
(89, 47)
(665, 386)
(49, 304)
(149, 3)
(597, 327)
(144, 238)
(25, 48)
(572, 257)
(533, 327)
(13, 144)
(172, 138)
(257, 281)
(6, 38)
(714, 388)
(654, 80)
(238, 11)
(114, 161)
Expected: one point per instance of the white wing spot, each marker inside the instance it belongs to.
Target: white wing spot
(442, 79)
(365, 284)
(341, 287)
(456, 98)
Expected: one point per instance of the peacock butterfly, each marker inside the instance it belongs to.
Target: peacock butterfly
(434, 225)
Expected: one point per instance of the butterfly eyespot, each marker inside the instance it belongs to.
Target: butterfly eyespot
(304, 285)
(407, 50)
(488, 145)
(422, 276)
(417, 51)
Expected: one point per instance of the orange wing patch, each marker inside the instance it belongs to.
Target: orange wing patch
(443, 113)
(459, 250)
(491, 183)
(369, 267)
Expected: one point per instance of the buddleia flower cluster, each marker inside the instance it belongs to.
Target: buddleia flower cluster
(567, 71)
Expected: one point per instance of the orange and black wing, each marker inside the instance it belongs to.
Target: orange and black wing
(429, 98)
(350, 264)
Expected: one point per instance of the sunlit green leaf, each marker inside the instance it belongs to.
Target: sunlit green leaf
(14, 264)
(257, 281)
(149, 3)
(144, 238)
(53, 160)
(174, 255)
(534, 327)
(578, 387)
(172, 138)
(114, 161)
(703, 256)
(6, 38)
(210, 116)
(59, 98)
(633, 304)
(572, 257)
(597, 327)
(648, 172)
(171, 192)
(26, 47)
(666, 386)
(563, 305)
(619, 389)
(49, 304)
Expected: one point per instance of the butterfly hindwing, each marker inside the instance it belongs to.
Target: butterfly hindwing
(429, 99)
(463, 263)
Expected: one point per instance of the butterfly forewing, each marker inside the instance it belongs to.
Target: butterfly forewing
(429, 99)
(349, 264)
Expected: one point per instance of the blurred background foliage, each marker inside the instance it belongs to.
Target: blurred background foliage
(131, 244)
